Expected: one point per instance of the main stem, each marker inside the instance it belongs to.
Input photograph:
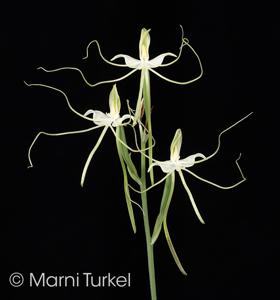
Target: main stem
(150, 250)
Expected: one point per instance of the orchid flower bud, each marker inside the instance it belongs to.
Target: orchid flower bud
(144, 44)
(176, 146)
(114, 102)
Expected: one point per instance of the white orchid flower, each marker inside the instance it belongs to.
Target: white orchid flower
(106, 120)
(179, 165)
(139, 64)
(113, 117)
(143, 61)
(175, 163)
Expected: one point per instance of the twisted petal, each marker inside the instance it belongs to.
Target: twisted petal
(138, 64)
(120, 121)
(89, 112)
(157, 61)
(189, 161)
(166, 166)
(129, 61)
(99, 118)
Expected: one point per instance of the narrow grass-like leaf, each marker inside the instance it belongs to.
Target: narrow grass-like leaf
(127, 156)
(165, 202)
(172, 249)
(162, 219)
(125, 182)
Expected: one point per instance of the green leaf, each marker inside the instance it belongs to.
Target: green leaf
(132, 170)
(172, 249)
(164, 206)
(125, 184)
(127, 156)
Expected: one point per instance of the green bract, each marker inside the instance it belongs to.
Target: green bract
(114, 102)
(176, 144)
(144, 44)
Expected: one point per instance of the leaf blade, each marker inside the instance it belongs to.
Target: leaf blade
(164, 206)
(127, 156)
(125, 184)
(172, 249)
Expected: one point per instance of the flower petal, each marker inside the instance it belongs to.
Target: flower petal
(166, 166)
(157, 61)
(89, 112)
(190, 160)
(119, 121)
(99, 118)
(129, 61)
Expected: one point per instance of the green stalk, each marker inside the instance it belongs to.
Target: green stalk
(150, 250)
(147, 105)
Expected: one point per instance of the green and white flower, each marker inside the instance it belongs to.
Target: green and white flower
(110, 120)
(139, 64)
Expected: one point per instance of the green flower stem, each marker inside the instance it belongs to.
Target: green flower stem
(138, 110)
(150, 250)
(147, 105)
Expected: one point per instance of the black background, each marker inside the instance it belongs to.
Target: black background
(52, 225)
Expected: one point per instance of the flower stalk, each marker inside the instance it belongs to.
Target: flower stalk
(149, 245)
